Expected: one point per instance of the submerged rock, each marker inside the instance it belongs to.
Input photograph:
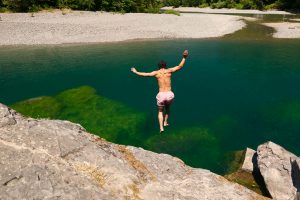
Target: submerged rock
(275, 165)
(52, 159)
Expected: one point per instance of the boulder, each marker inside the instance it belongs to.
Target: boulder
(53, 159)
(248, 164)
(295, 162)
(275, 166)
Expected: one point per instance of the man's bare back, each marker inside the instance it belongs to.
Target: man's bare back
(165, 96)
(164, 80)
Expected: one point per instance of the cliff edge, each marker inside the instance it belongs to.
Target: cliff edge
(54, 159)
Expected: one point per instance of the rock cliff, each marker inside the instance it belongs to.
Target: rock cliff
(280, 171)
(52, 159)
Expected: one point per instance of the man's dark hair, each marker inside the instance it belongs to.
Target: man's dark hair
(162, 64)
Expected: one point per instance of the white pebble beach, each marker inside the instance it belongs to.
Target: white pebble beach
(60, 27)
(94, 27)
(285, 29)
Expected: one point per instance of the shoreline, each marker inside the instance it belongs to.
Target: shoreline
(48, 28)
(227, 11)
(86, 27)
(129, 41)
(285, 30)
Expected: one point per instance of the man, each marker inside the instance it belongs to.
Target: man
(165, 96)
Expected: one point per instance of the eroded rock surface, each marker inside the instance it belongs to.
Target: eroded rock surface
(275, 165)
(52, 159)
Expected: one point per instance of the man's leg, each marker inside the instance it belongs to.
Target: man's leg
(168, 107)
(161, 118)
(167, 115)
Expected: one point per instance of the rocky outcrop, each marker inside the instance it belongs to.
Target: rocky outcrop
(52, 159)
(274, 163)
(295, 162)
(248, 164)
(278, 168)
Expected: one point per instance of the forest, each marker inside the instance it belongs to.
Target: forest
(148, 6)
(293, 5)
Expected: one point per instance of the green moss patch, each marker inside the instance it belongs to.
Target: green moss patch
(99, 115)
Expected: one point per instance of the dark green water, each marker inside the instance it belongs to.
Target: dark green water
(245, 92)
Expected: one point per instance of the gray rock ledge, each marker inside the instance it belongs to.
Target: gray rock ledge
(52, 159)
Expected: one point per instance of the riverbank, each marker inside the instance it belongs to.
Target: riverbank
(92, 27)
(226, 11)
(282, 28)
(285, 29)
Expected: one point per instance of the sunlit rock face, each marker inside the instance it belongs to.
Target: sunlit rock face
(279, 169)
(47, 159)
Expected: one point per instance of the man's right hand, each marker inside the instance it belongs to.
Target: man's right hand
(185, 54)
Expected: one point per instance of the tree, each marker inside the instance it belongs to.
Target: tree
(18, 5)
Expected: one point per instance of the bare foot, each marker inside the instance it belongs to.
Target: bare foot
(161, 131)
(166, 124)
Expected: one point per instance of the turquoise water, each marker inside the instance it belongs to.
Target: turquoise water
(245, 92)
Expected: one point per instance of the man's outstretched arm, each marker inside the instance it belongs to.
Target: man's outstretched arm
(181, 64)
(143, 73)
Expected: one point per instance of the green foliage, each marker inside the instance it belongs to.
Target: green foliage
(18, 5)
(172, 12)
(99, 115)
(3, 10)
(152, 10)
(76, 4)
(219, 4)
(252, 4)
(238, 4)
(289, 4)
(106, 5)
(175, 3)
(204, 5)
(150, 6)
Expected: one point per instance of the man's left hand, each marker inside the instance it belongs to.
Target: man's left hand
(133, 70)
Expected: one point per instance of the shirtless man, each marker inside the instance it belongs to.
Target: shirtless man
(165, 96)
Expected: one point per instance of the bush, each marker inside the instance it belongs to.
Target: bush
(34, 8)
(220, 4)
(271, 6)
(204, 5)
(3, 10)
(152, 10)
(175, 3)
(248, 4)
(76, 4)
(238, 6)
(18, 5)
